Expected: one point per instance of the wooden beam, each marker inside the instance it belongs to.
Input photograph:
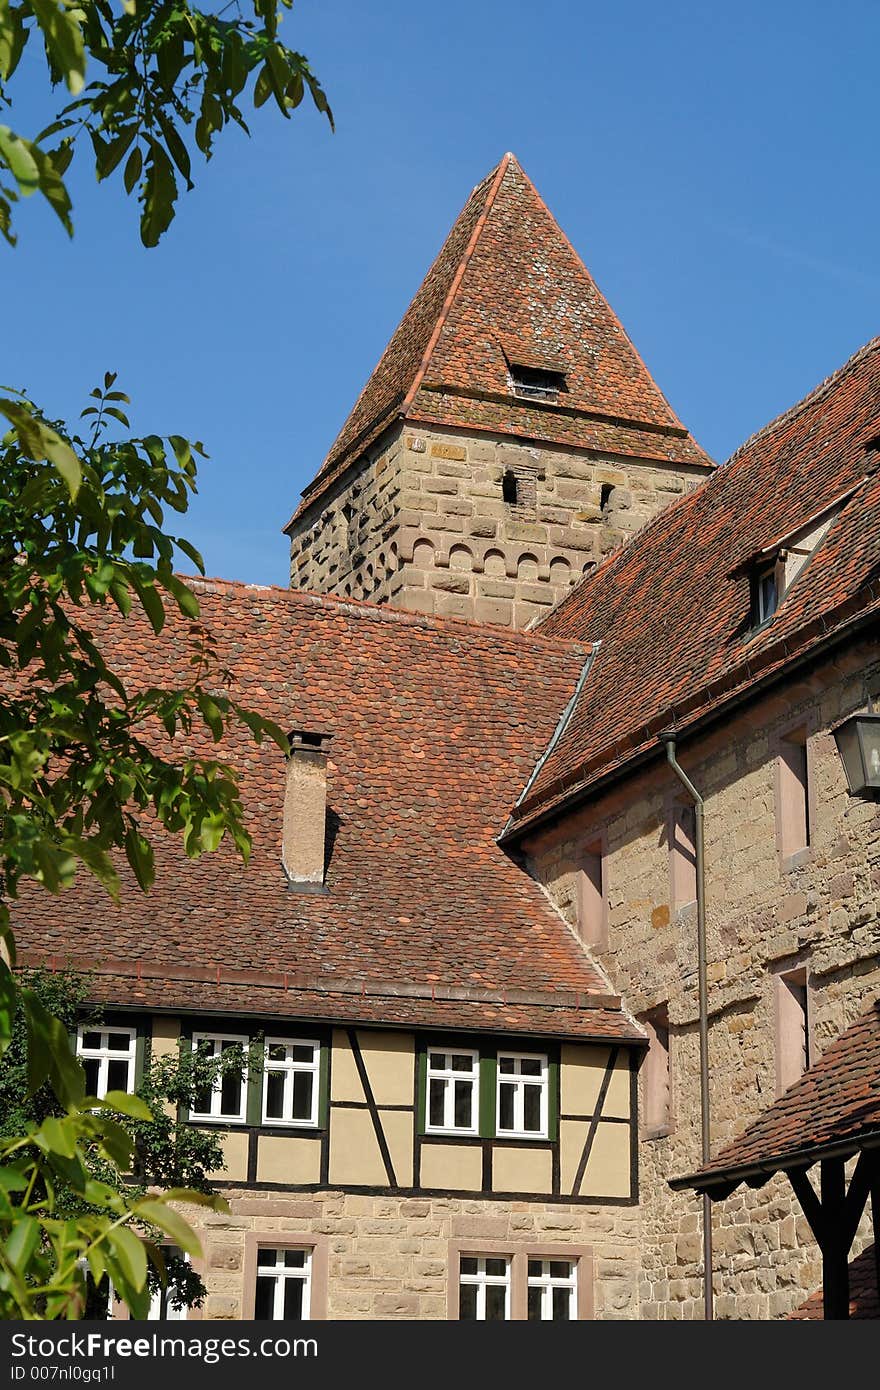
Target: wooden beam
(857, 1196)
(810, 1204)
(835, 1248)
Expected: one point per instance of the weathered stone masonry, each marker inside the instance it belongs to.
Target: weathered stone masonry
(764, 915)
(424, 524)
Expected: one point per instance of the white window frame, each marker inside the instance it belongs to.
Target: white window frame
(547, 1282)
(448, 1075)
(215, 1113)
(290, 1068)
(172, 1314)
(104, 1054)
(482, 1280)
(520, 1081)
(281, 1273)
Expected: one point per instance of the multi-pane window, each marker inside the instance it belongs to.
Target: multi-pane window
(226, 1099)
(522, 1094)
(552, 1290)
(290, 1082)
(283, 1292)
(453, 1091)
(484, 1288)
(108, 1058)
(163, 1304)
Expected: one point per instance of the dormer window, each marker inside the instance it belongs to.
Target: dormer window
(535, 383)
(767, 588)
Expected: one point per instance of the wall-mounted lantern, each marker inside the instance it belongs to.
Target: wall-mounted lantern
(858, 743)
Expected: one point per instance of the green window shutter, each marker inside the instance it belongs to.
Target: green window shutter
(185, 1045)
(422, 1088)
(141, 1051)
(488, 1069)
(552, 1097)
(253, 1112)
(324, 1086)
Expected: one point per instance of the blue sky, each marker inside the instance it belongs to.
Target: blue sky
(715, 166)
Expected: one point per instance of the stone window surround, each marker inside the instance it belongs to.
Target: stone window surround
(662, 1129)
(287, 1240)
(781, 972)
(797, 730)
(519, 1254)
(592, 915)
(681, 871)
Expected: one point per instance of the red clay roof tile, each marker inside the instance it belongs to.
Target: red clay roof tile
(835, 1103)
(435, 726)
(671, 610)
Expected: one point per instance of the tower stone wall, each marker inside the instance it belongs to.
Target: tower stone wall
(427, 522)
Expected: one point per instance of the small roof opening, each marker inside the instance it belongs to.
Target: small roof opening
(535, 383)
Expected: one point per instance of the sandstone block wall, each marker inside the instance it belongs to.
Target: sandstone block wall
(425, 524)
(388, 1257)
(765, 914)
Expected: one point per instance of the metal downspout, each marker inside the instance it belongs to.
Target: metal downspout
(668, 739)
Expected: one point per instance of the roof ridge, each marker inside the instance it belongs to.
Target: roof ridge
(378, 612)
(824, 386)
(497, 178)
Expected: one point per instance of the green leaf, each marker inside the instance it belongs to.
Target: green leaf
(158, 195)
(130, 1254)
(8, 1004)
(172, 1223)
(127, 1104)
(22, 1243)
(12, 1180)
(114, 152)
(56, 1137)
(18, 156)
(49, 1053)
(40, 441)
(64, 40)
(139, 853)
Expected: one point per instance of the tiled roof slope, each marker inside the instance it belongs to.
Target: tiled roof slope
(671, 609)
(835, 1102)
(864, 1302)
(435, 726)
(507, 285)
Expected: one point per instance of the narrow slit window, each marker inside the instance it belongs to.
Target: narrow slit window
(509, 488)
(792, 1027)
(793, 797)
(592, 911)
(683, 852)
(656, 1073)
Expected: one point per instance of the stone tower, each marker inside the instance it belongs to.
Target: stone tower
(509, 437)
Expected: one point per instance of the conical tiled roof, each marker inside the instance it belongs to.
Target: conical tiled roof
(508, 287)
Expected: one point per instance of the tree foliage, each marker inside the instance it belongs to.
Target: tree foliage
(152, 84)
(78, 1173)
(89, 769)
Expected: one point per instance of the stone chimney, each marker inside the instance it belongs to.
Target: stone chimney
(304, 825)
